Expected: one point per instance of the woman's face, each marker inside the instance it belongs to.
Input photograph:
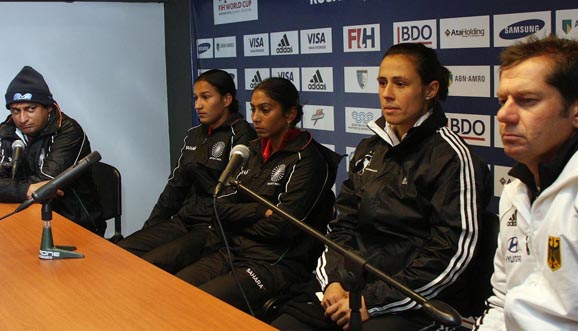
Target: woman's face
(402, 94)
(211, 106)
(268, 117)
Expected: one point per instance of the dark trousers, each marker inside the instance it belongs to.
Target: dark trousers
(404, 322)
(169, 245)
(259, 280)
(304, 313)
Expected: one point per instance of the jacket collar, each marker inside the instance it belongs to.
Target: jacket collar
(424, 126)
(548, 171)
(294, 141)
(234, 117)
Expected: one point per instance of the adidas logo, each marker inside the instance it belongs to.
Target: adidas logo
(316, 83)
(513, 220)
(284, 46)
(256, 80)
(404, 181)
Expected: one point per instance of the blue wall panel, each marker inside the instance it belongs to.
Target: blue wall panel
(468, 37)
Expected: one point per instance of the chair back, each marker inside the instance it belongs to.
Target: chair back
(108, 184)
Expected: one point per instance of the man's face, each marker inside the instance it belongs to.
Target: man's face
(532, 120)
(30, 118)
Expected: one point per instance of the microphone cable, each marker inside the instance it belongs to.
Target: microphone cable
(229, 255)
(8, 215)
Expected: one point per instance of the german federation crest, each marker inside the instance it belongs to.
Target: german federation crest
(362, 78)
(554, 256)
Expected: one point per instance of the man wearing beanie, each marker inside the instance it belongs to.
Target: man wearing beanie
(52, 142)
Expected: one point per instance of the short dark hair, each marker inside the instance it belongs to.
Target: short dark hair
(223, 83)
(564, 55)
(284, 92)
(427, 63)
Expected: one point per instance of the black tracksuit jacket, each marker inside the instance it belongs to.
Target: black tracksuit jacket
(188, 193)
(298, 179)
(58, 146)
(413, 210)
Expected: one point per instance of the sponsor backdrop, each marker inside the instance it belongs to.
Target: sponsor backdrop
(331, 51)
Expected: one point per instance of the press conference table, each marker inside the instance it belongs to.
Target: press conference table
(108, 289)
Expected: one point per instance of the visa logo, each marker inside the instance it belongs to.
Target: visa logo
(286, 74)
(316, 38)
(256, 42)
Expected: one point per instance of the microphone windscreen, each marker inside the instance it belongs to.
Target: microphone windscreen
(18, 143)
(241, 150)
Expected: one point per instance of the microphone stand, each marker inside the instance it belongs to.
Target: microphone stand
(48, 251)
(44, 195)
(437, 310)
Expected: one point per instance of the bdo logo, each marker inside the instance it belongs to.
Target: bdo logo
(415, 33)
(423, 32)
(475, 129)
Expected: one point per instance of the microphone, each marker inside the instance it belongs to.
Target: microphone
(239, 155)
(47, 191)
(17, 147)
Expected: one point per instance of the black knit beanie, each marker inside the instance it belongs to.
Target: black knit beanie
(28, 86)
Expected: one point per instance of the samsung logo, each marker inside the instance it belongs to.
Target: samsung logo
(203, 47)
(317, 2)
(522, 29)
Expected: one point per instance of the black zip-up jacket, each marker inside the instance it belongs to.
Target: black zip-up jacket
(413, 210)
(58, 146)
(299, 180)
(189, 191)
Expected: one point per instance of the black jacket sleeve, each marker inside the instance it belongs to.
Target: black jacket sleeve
(67, 147)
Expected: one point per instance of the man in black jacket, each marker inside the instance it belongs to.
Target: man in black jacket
(52, 142)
